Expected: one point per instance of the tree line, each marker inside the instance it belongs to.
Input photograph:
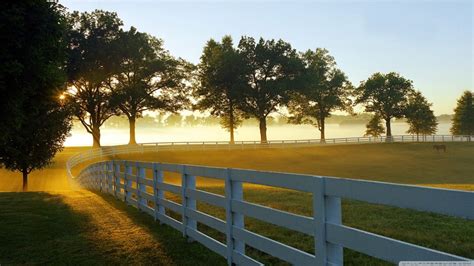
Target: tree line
(126, 72)
(57, 66)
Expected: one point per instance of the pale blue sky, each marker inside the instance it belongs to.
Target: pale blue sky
(429, 42)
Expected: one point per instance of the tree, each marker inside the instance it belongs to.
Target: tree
(146, 78)
(463, 120)
(420, 117)
(325, 90)
(273, 70)
(92, 61)
(385, 95)
(34, 122)
(221, 80)
(374, 128)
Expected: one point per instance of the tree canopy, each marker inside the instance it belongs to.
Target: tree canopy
(91, 62)
(420, 117)
(146, 77)
(325, 89)
(274, 69)
(34, 121)
(463, 120)
(221, 77)
(374, 128)
(385, 95)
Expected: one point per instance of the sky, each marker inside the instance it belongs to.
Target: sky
(428, 42)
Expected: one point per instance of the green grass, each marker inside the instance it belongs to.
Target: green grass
(398, 163)
(52, 178)
(46, 228)
(24, 229)
(406, 163)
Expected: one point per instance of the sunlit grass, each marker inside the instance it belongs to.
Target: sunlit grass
(82, 228)
(406, 163)
(398, 163)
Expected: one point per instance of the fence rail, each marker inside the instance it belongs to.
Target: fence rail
(128, 180)
(210, 145)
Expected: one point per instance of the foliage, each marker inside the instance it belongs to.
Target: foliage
(374, 128)
(34, 122)
(146, 78)
(92, 59)
(420, 117)
(221, 80)
(274, 69)
(463, 119)
(326, 89)
(385, 95)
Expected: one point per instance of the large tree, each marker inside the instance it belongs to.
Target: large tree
(34, 122)
(385, 95)
(325, 89)
(420, 117)
(463, 119)
(92, 60)
(146, 77)
(220, 83)
(374, 127)
(273, 71)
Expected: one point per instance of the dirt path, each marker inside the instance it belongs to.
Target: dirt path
(114, 232)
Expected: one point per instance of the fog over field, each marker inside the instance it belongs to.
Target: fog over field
(117, 136)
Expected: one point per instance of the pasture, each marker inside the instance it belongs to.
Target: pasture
(398, 163)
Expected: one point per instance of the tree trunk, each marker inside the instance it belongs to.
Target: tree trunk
(232, 136)
(231, 123)
(389, 130)
(96, 136)
(323, 130)
(131, 121)
(25, 179)
(263, 130)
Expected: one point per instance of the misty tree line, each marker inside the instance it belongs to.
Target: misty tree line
(56, 66)
(153, 120)
(126, 72)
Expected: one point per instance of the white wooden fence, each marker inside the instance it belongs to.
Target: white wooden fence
(209, 145)
(128, 181)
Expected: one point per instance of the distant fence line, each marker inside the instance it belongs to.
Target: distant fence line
(141, 184)
(98, 153)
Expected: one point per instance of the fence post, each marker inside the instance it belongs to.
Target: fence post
(117, 179)
(158, 193)
(334, 215)
(110, 179)
(138, 187)
(95, 174)
(233, 191)
(105, 176)
(127, 181)
(326, 209)
(187, 181)
(319, 222)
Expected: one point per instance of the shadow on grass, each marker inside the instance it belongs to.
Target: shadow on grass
(42, 228)
(53, 228)
(172, 243)
(39, 228)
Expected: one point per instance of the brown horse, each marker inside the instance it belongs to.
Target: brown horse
(439, 147)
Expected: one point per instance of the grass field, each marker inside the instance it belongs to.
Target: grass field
(398, 163)
(82, 228)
